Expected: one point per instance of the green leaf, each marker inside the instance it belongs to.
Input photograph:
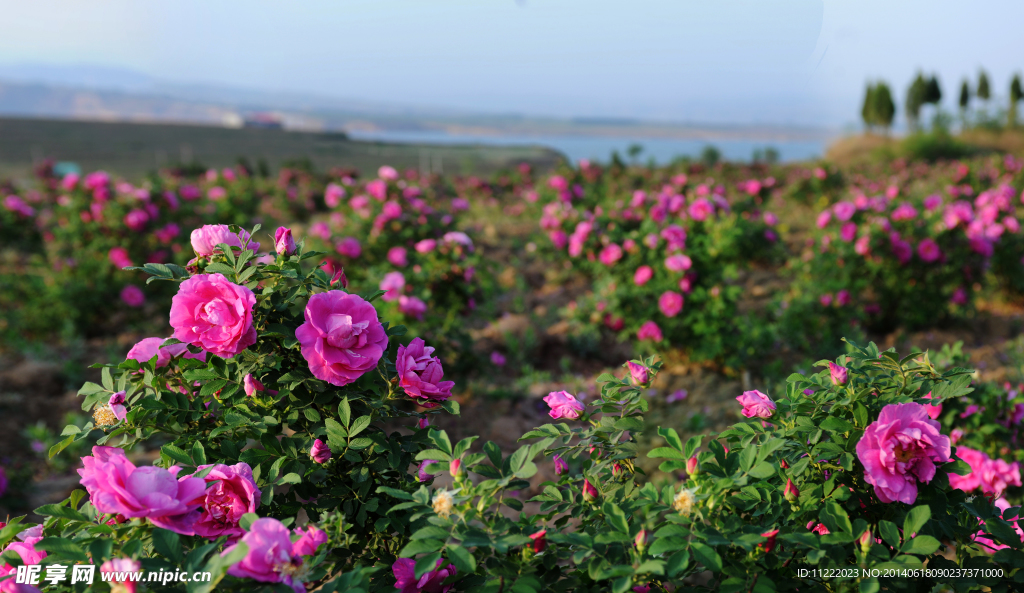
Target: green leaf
(247, 520)
(923, 545)
(426, 563)
(836, 424)
(666, 452)
(762, 470)
(835, 518)
(890, 533)
(56, 510)
(311, 414)
(440, 439)
(707, 556)
(358, 426)
(463, 559)
(54, 450)
(916, 519)
(615, 517)
(63, 548)
(672, 438)
(433, 454)
(198, 453)
(959, 467)
(176, 454)
(345, 412)
(747, 458)
(167, 544)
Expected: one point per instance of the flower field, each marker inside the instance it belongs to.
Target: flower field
(604, 377)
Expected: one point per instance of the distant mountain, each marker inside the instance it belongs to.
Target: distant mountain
(113, 94)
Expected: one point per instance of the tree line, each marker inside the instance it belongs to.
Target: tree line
(879, 108)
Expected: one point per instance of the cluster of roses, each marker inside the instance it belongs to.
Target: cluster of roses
(651, 224)
(884, 226)
(340, 340)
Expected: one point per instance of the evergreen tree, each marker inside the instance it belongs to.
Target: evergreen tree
(915, 99)
(965, 96)
(867, 110)
(1016, 94)
(884, 108)
(932, 92)
(984, 93)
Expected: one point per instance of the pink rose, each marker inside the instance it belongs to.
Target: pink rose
(397, 257)
(310, 539)
(844, 210)
(425, 246)
(900, 449)
(848, 232)
(251, 385)
(563, 405)
(270, 558)
(411, 307)
(649, 331)
(701, 208)
(638, 372)
(610, 254)
(393, 283)
(233, 494)
(119, 257)
(377, 188)
(333, 195)
(643, 275)
(319, 452)
(132, 296)
(756, 404)
(215, 314)
(420, 373)
(284, 244)
(119, 567)
(928, 250)
(147, 348)
(387, 172)
(205, 239)
(341, 338)
(976, 460)
(116, 403)
(670, 303)
(349, 247)
(678, 263)
(933, 410)
(561, 466)
(404, 570)
(837, 373)
(115, 486)
(997, 475)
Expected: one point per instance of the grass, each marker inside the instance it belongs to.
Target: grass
(866, 148)
(135, 149)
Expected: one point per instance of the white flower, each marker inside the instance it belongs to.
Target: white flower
(443, 504)
(684, 501)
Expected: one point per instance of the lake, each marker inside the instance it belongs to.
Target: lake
(600, 148)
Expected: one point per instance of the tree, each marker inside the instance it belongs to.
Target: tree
(965, 101)
(867, 110)
(884, 108)
(1016, 94)
(916, 97)
(984, 93)
(932, 92)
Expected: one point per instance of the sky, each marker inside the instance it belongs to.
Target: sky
(784, 62)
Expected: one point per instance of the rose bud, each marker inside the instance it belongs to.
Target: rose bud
(770, 544)
(691, 466)
(561, 466)
(319, 452)
(791, 492)
(783, 464)
(839, 374)
(641, 539)
(639, 373)
(590, 493)
(455, 468)
(539, 541)
(423, 423)
(865, 541)
(251, 385)
(339, 276)
(283, 242)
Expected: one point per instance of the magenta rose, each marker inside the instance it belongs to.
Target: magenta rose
(670, 303)
(205, 239)
(432, 581)
(341, 338)
(319, 452)
(412, 307)
(756, 404)
(649, 331)
(224, 502)
(215, 314)
(643, 275)
(638, 372)
(420, 373)
(116, 486)
(117, 567)
(147, 348)
(901, 449)
(563, 405)
(270, 558)
(310, 539)
(394, 284)
(284, 244)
